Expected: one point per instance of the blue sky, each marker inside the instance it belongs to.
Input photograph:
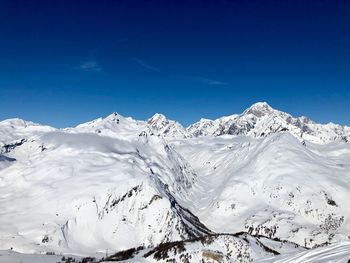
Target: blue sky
(67, 62)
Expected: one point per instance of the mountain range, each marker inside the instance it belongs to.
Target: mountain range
(257, 186)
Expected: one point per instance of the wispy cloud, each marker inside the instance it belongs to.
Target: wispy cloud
(208, 81)
(203, 80)
(146, 65)
(90, 66)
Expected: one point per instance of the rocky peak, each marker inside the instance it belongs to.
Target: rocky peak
(161, 124)
(158, 119)
(114, 117)
(259, 109)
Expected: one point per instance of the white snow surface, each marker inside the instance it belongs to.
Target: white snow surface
(116, 183)
(217, 248)
(9, 256)
(272, 186)
(336, 253)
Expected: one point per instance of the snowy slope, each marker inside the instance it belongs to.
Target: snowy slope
(14, 130)
(85, 192)
(9, 256)
(205, 252)
(272, 186)
(240, 247)
(15, 133)
(114, 125)
(337, 253)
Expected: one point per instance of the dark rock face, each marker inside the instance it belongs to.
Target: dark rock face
(9, 147)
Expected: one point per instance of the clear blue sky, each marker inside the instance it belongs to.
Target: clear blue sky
(67, 62)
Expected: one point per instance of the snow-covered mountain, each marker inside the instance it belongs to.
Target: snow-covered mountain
(239, 188)
(85, 192)
(167, 128)
(239, 247)
(115, 125)
(260, 120)
(273, 186)
(13, 130)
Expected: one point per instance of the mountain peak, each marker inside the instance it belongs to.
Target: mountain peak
(259, 109)
(157, 118)
(113, 115)
(161, 124)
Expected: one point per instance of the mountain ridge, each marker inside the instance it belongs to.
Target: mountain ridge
(259, 120)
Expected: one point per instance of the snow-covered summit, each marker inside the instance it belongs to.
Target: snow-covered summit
(15, 129)
(161, 124)
(262, 120)
(259, 109)
(113, 125)
(116, 125)
(156, 118)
